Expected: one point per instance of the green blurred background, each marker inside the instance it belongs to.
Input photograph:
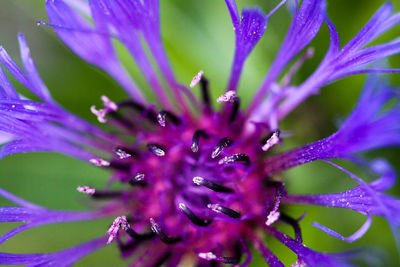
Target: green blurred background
(198, 35)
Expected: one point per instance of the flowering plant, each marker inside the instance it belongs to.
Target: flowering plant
(200, 180)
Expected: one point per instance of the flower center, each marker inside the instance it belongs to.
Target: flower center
(189, 179)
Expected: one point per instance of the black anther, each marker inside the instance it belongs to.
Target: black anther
(236, 158)
(234, 109)
(122, 120)
(223, 143)
(118, 165)
(163, 237)
(227, 211)
(156, 150)
(138, 237)
(163, 115)
(211, 185)
(132, 104)
(149, 114)
(123, 153)
(137, 180)
(205, 94)
(295, 224)
(106, 194)
(196, 138)
(193, 217)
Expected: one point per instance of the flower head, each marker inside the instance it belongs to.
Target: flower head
(199, 182)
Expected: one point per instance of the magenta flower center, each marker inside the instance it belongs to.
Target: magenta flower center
(190, 178)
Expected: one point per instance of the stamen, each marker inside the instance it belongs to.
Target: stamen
(151, 116)
(161, 118)
(209, 256)
(132, 233)
(227, 211)
(156, 150)
(211, 185)
(137, 180)
(192, 217)
(99, 113)
(125, 122)
(235, 109)
(204, 85)
(121, 166)
(86, 190)
(274, 214)
(163, 114)
(295, 224)
(229, 96)
(196, 79)
(272, 217)
(122, 154)
(108, 104)
(196, 138)
(144, 111)
(223, 143)
(272, 141)
(107, 194)
(163, 237)
(114, 228)
(235, 158)
(108, 107)
(138, 177)
(133, 105)
(99, 162)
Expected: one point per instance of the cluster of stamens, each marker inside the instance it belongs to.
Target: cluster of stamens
(215, 190)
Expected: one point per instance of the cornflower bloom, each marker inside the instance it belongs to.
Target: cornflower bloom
(200, 183)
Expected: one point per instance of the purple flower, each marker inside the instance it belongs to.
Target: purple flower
(200, 182)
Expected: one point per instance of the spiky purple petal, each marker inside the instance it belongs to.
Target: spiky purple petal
(61, 258)
(248, 31)
(126, 17)
(40, 126)
(94, 47)
(305, 25)
(364, 198)
(35, 215)
(310, 257)
(349, 60)
(368, 127)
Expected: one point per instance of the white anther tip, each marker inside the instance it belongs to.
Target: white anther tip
(86, 190)
(272, 217)
(196, 79)
(207, 256)
(198, 180)
(99, 162)
(182, 206)
(229, 96)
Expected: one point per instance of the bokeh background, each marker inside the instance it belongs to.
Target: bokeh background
(198, 35)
